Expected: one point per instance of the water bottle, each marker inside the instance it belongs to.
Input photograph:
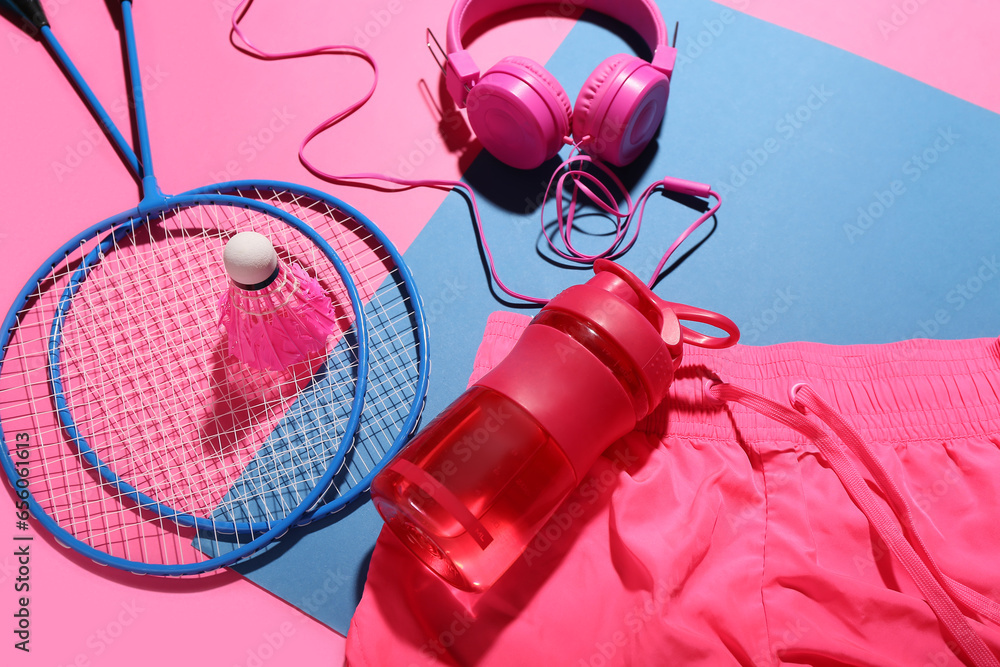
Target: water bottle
(471, 490)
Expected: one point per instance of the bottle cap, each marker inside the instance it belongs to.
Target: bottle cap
(646, 328)
(647, 337)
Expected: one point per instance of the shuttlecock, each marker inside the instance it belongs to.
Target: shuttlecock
(276, 315)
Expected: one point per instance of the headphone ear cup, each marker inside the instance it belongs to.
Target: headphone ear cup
(519, 112)
(619, 108)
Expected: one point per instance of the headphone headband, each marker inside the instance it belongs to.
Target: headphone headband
(643, 16)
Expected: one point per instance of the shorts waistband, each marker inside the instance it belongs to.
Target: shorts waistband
(912, 391)
(907, 392)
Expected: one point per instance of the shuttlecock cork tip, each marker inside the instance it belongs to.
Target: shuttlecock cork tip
(250, 259)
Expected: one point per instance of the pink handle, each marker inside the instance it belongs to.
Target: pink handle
(681, 311)
(692, 337)
(440, 494)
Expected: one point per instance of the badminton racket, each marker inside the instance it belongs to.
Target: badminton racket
(398, 353)
(130, 433)
(398, 361)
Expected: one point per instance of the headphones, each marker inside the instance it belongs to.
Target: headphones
(522, 114)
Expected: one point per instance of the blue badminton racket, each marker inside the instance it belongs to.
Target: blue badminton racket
(397, 352)
(398, 357)
(145, 439)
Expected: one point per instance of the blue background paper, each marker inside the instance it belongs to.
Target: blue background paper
(797, 136)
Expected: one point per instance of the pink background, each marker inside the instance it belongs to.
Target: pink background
(208, 106)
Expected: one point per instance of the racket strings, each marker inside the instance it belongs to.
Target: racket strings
(145, 416)
(58, 477)
(140, 348)
(24, 402)
(395, 354)
(365, 256)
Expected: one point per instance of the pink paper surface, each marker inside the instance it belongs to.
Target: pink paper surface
(949, 45)
(217, 114)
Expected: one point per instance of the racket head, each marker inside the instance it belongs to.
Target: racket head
(242, 484)
(399, 360)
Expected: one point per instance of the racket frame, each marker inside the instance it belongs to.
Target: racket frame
(409, 426)
(122, 226)
(262, 538)
(153, 202)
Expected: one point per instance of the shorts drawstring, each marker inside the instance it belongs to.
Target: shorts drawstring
(892, 523)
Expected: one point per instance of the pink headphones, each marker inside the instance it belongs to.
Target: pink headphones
(521, 113)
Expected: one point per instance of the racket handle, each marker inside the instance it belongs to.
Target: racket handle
(29, 9)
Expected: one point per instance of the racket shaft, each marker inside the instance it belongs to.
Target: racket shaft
(150, 191)
(74, 76)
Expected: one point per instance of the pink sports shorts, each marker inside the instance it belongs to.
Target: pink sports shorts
(794, 504)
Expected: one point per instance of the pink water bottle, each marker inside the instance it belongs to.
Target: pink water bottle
(472, 489)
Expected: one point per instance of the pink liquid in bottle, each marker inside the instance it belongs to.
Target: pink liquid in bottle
(474, 487)
(493, 458)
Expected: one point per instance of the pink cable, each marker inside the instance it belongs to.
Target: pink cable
(582, 180)
(609, 205)
(238, 15)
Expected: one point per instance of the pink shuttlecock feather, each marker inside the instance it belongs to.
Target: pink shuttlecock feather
(276, 315)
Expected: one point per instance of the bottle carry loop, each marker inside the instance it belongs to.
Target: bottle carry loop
(680, 311)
